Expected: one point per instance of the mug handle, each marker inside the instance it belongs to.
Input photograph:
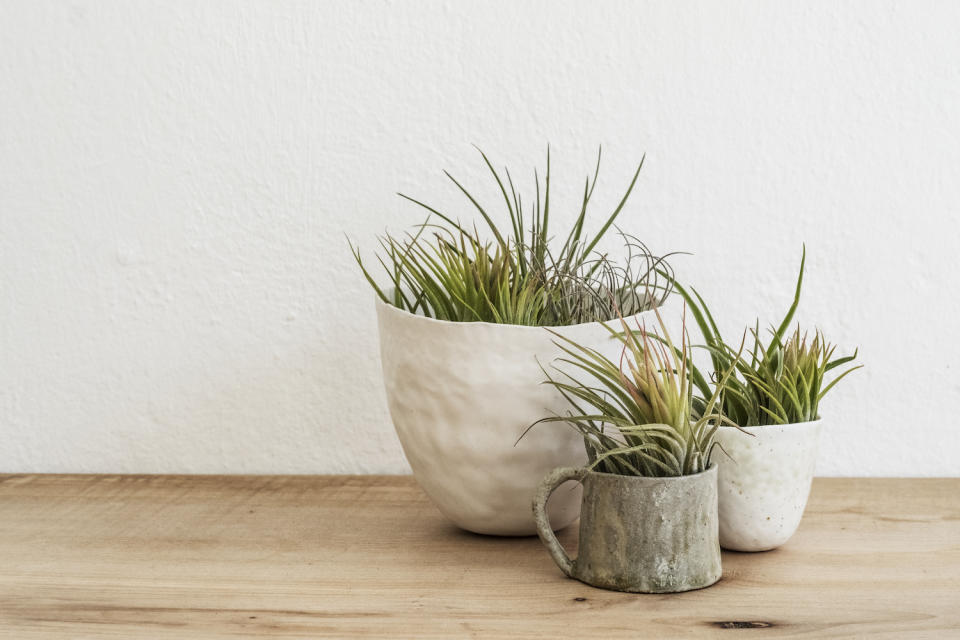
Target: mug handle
(553, 480)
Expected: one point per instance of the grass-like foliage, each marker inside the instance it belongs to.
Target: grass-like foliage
(636, 416)
(781, 381)
(448, 270)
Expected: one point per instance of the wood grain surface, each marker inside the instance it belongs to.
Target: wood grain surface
(356, 556)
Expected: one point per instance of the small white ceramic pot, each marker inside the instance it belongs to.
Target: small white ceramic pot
(461, 394)
(764, 483)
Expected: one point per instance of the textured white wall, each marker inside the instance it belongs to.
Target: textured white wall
(176, 179)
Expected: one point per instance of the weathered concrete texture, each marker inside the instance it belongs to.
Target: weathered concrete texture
(645, 535)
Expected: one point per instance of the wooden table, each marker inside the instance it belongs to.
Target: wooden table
(346, 556)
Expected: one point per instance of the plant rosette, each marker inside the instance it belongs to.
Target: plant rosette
(461, 395)
(764, 482)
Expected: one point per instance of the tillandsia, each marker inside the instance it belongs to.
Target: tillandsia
(447, 270)
(636, 416)
(781, 381)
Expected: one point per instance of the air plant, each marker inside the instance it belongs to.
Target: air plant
(444, 269)
(780, 382)
(636, 416)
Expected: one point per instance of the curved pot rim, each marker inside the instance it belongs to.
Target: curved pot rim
(775, 426)
(389, 308)
(652, 479)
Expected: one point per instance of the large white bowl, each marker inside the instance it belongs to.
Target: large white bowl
(461, 394)
(764, 483)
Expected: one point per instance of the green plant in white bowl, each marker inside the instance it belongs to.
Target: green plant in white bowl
(518, 274)
(462, 309)
(781, 381)
(774, 396)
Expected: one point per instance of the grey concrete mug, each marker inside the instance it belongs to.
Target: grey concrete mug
(642, 535)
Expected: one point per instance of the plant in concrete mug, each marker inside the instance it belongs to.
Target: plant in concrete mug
(649, 517)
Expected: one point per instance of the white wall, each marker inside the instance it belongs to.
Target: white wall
(176, 179)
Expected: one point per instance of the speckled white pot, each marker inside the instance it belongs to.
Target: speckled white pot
(461, 394)
(764, 483)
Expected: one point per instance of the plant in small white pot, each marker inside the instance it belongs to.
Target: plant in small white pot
(462, 329)
(649, 518)
(774, 398)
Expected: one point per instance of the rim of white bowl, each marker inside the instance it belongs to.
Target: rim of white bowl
(765, 426)
(524, 327)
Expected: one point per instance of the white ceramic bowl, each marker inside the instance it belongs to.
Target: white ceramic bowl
(764, 484)
(461, 394)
